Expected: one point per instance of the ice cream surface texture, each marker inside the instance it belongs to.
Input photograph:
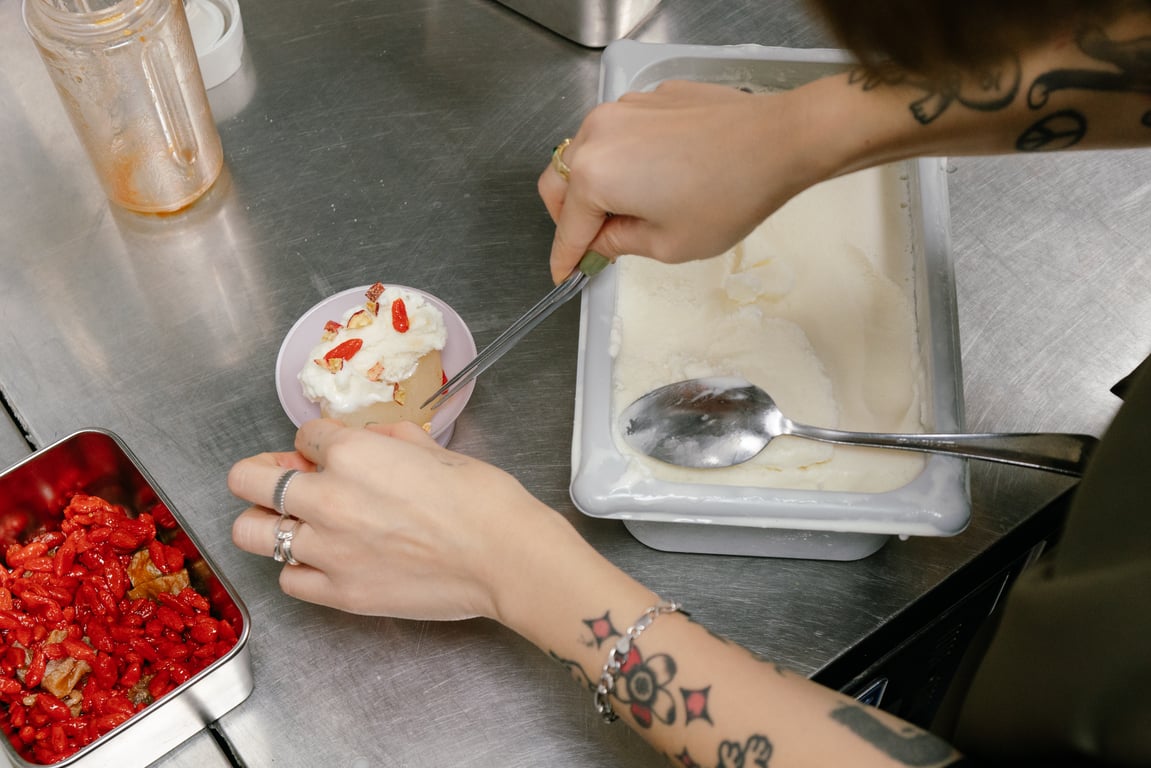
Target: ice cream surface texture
(817, 307)
(380, 361)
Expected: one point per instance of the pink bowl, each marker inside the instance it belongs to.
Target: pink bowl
(459, 349)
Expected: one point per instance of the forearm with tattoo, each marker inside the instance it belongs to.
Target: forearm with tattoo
(648, 688)
(1109, 65)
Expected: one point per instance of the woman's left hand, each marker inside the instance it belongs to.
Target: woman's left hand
(392, 524)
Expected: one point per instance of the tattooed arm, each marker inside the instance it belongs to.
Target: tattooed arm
(394, 525)
(697, 698)
(690, 169)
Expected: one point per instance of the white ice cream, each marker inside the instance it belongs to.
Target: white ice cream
(359, 382)
(817, 307)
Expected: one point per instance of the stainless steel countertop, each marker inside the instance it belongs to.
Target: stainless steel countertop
(400, 141)
(13, 446)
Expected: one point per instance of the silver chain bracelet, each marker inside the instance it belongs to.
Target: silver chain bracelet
(619, 653)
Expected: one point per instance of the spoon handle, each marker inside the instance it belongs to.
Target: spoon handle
(1055, 452)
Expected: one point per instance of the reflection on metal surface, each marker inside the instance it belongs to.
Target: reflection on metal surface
(231, 97)
(196, 265)
(593, 23)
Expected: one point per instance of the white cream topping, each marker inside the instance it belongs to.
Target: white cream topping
(398, 354)
(816, 306)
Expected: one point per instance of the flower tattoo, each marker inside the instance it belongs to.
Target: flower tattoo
(642, 685)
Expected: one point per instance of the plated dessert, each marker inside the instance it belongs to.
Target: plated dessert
(412, 363)
(380, 361)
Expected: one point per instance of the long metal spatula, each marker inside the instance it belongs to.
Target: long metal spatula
(590, 265)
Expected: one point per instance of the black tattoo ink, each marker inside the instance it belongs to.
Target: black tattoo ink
(910, 747)
(686, 760)
(601, 629)
(1130, 73)
(754, 754)
(695, 704)
(1060, 130)
(448, 460)
(990, 90)
(576, 671)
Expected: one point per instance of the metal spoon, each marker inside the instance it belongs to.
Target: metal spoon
(722, 421)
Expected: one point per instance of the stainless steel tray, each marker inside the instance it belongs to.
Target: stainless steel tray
(765, 521)
(97, 462)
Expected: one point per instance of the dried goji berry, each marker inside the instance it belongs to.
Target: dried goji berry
(163, 517)
(170, 618)
(194, 600)
(79, 650)
(400, 316)
(105, 723)
(131, 675)
(160, 684)
(36, 668)
(52, 706)
(55, 651)
(345, 350)
(104, 670)
(166, 559)
(57, 739)
(17, 555)
(65, 556)
(204, 630)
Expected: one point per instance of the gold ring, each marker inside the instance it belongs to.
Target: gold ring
(558, 160)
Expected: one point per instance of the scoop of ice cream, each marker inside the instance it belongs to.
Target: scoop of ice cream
(365, 357)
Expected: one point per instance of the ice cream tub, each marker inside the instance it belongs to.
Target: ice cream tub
(119, 638)
(873, 347)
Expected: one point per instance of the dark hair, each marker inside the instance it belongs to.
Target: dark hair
(935, 37)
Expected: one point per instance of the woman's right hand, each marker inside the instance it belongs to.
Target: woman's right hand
(681, 173)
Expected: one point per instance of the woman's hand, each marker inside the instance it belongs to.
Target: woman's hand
(393, 524)
(682, 173)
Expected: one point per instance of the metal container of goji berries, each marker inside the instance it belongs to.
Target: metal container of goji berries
(119, 638)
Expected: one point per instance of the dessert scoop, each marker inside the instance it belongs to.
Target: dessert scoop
(722, 421)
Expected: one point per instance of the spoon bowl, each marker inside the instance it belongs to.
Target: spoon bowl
(723, 421)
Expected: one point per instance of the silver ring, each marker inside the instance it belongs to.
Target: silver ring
(282, 551)
(282, 490)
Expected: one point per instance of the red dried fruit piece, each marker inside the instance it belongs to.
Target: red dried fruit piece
(375, 291)
(331, 328)
(360, 319)
(344, 351)
(400, 316)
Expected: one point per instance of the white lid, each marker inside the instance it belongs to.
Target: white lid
(218, 35)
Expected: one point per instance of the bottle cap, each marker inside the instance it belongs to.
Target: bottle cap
(218, 36)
